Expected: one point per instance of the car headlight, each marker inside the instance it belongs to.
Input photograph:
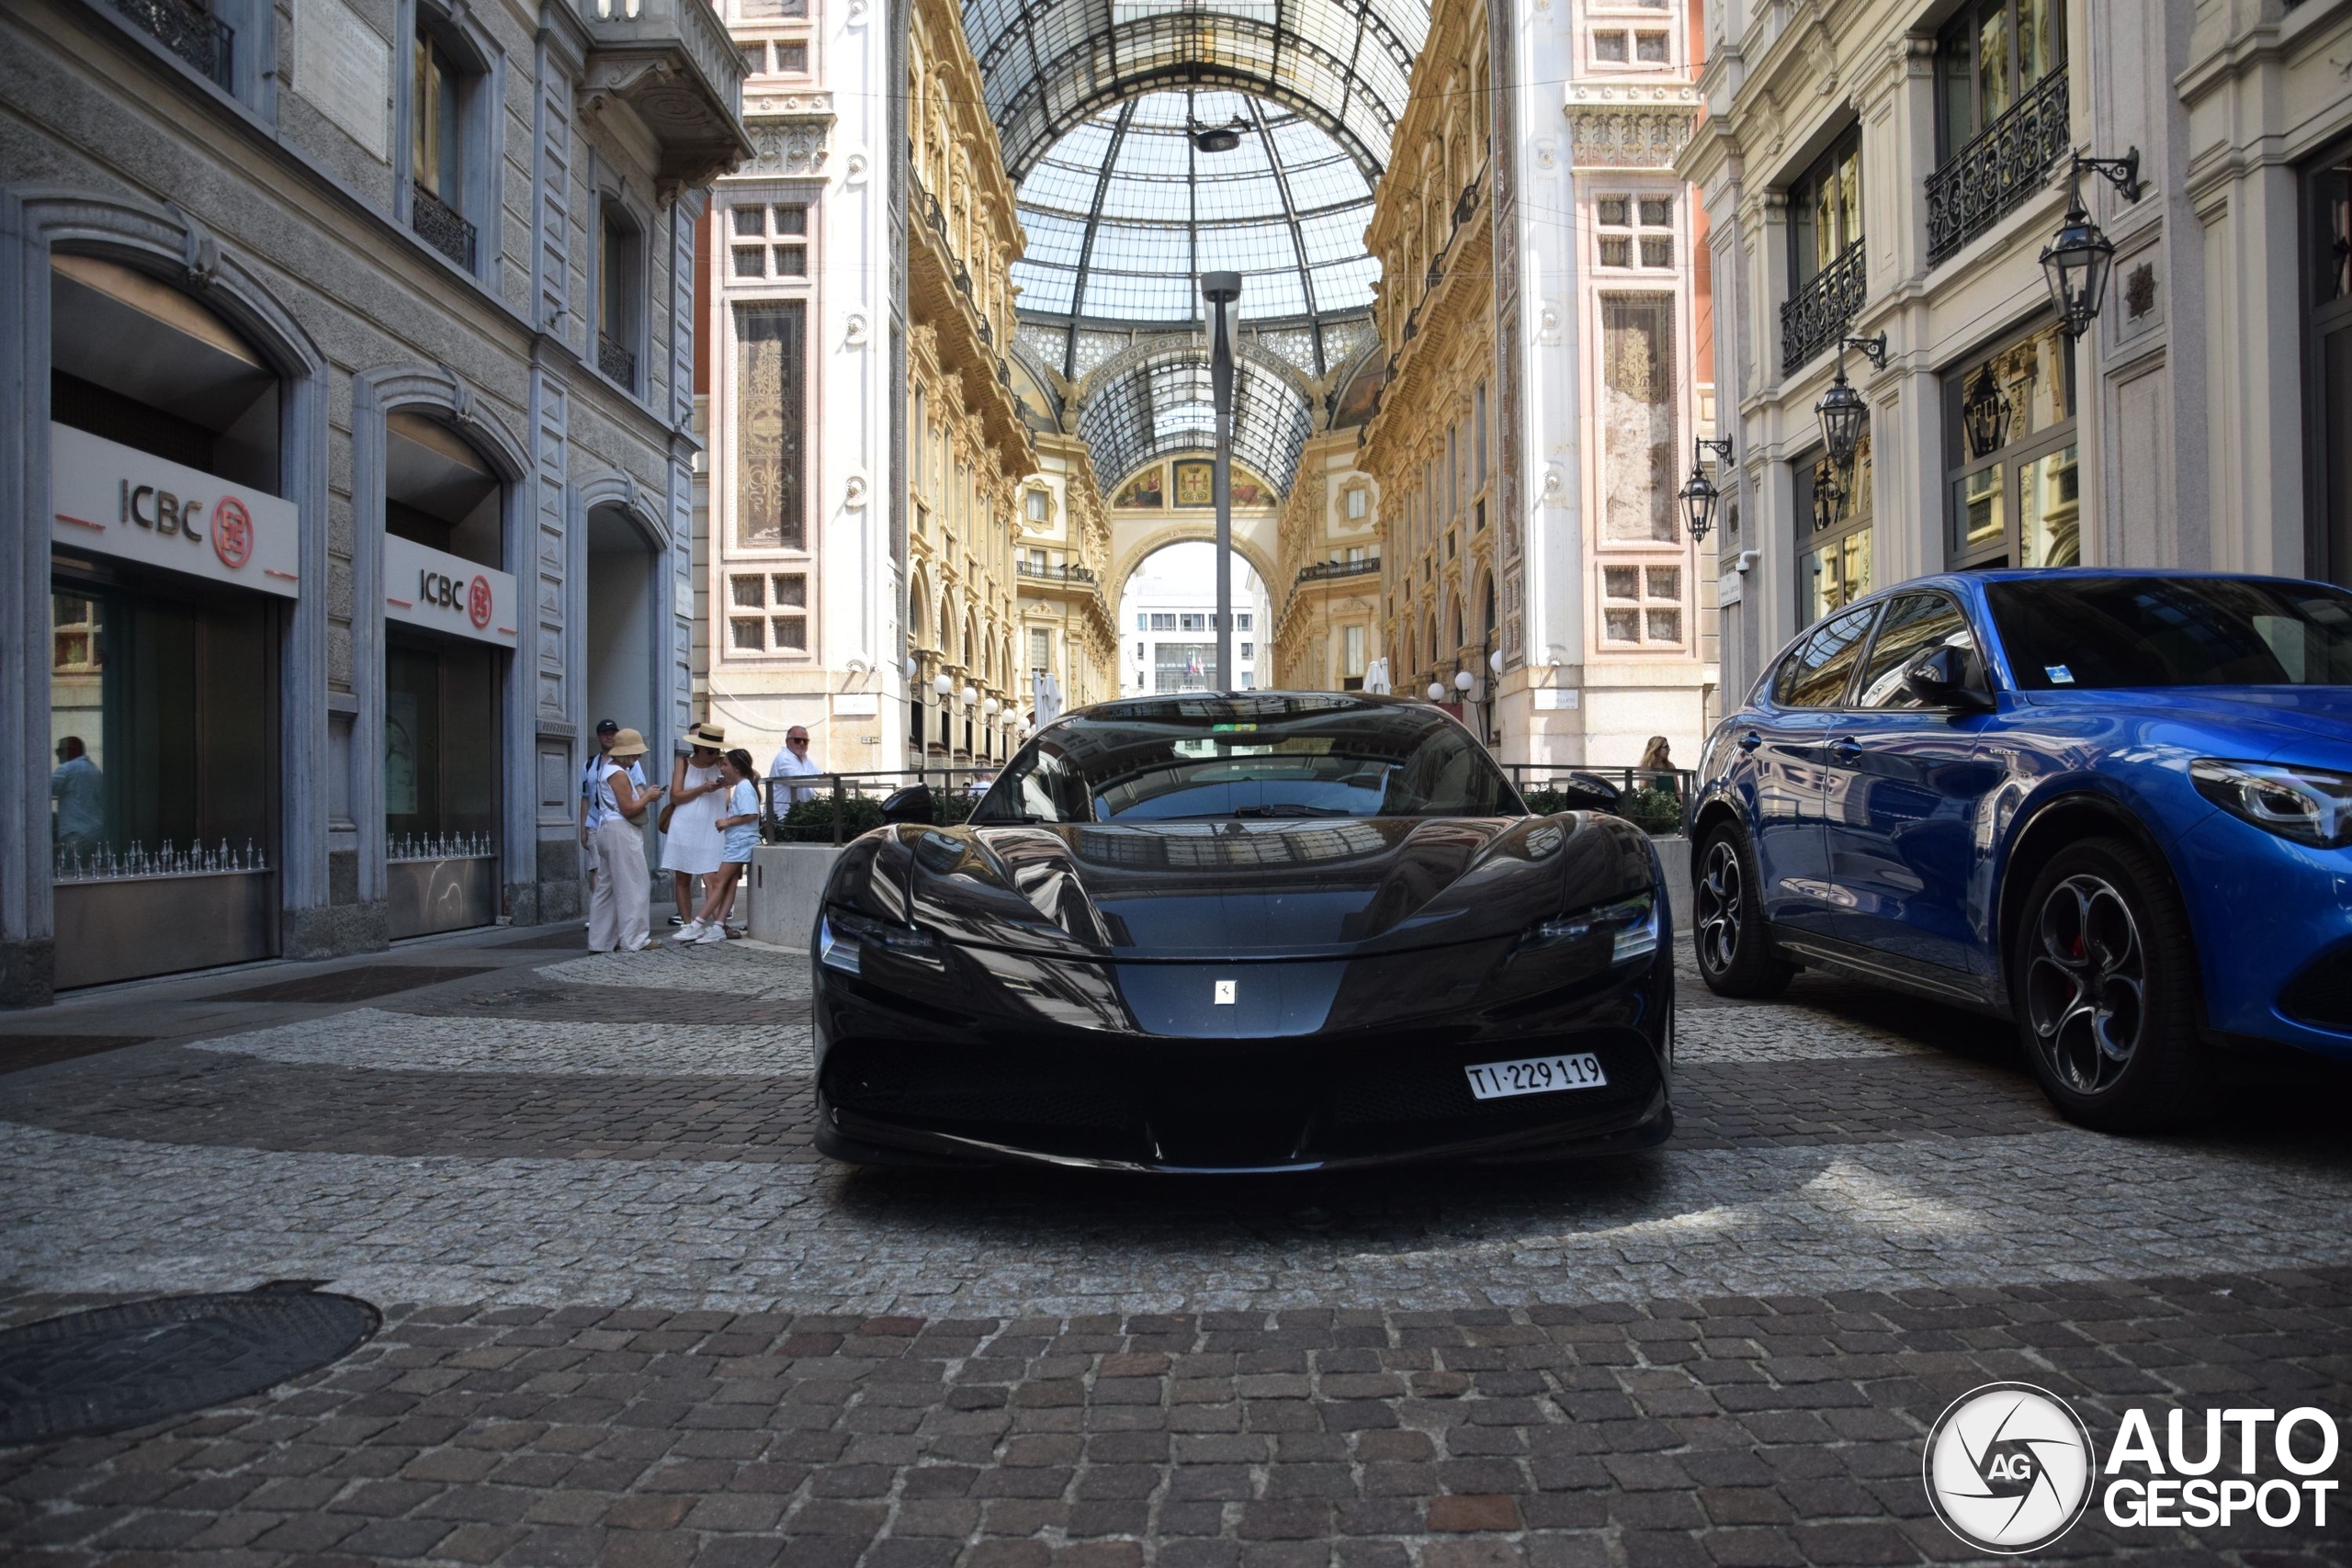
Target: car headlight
(848, 941)
(2311, 806)
(1631, 925)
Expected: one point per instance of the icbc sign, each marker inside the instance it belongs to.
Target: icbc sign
(426, 587)
(117, 501)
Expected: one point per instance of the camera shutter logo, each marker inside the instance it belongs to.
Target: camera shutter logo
(2009, 1468)
(233, 532)
(478, 602)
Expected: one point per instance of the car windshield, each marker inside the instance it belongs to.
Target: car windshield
(1275, 757)
(2068, 633)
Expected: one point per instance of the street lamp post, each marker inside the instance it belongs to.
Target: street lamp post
(1222, 290)
(2076, 262)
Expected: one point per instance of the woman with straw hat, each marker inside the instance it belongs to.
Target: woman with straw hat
(618, 914)
(690, 835)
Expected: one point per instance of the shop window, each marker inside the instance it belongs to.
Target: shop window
(1825, 209)
(771, 414)
(620, 287)
(444, 105)
(1833, 543)
(1641, 604)
(767, 612)
(2010, 455)
(1988, 58)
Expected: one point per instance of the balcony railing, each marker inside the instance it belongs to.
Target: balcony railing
(1054, 573)
(617, 361)
(1999, 168)
(440, 226)
(1816, 316)
(196, 35)
(1323, 568)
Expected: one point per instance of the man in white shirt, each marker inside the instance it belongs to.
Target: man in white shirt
(793, 762)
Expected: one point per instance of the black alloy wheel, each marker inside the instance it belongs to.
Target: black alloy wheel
(1727, 924)
(2105, 986)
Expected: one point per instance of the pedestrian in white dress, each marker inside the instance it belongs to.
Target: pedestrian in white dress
(691, 847)
(617, 905)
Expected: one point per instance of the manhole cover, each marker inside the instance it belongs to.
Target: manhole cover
(354, 985)
(125, 1366)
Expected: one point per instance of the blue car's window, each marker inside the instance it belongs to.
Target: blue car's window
(1817, 674)
(1270, 757)
(2069, 633)
(1914, 623)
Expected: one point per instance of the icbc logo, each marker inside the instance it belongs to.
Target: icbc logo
(233, 532)
(478, 602)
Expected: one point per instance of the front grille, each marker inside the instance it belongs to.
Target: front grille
(2322, 995)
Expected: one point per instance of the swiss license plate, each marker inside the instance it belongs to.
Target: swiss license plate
(1536, 1075)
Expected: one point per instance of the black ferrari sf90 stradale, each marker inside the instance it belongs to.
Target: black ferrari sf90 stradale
(1248, 932)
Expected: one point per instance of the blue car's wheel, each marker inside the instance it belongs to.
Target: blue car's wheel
(1727, 921)
(2105, 983)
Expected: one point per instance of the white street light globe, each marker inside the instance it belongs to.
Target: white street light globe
(1437, 693)
(913, 665)
(1495, 661)
(942, 684)
(971, 696)
(1463, 681)
(989, 706)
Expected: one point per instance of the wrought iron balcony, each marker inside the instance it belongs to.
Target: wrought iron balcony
(1324, 568)
(617, 361)
(1816, 316)
(196, 35)
(1998, 169)
(1466, 204)
(671, 64)
(442, 227)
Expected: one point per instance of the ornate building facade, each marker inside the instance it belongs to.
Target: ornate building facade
(1538, 302)
(1327, 626)
(1063, 571)
(1890, 172)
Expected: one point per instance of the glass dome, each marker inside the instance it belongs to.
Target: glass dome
(1124, 211)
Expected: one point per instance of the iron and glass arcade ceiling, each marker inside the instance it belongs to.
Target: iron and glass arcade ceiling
(1101, 106)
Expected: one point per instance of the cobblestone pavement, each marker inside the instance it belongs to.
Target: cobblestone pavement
(629, 1316)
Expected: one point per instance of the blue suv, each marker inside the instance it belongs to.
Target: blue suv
(2115, 807)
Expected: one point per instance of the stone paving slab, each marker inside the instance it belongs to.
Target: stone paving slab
(1681, 1431)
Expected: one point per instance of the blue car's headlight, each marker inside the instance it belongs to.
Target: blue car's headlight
(1631, 925)
(2311, 806)
(847, 942)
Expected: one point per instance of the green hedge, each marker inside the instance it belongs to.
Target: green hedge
(1653, 811)
(811, 822)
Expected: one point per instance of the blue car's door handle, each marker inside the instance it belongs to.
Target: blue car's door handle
(1845, 748)
(1749, 741)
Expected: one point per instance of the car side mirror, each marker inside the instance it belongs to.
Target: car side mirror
(1589, 791)
(912, 803)
(1944, 678)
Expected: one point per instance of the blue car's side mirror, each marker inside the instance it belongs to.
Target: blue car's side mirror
(1589, 791)
(1945, 678)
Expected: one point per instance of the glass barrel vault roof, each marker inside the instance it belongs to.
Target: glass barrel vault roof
(1164, 403)
(1124, 212)
(1050, 64)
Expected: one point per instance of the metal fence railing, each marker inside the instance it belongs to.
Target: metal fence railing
(833, 809)
(1650, 798)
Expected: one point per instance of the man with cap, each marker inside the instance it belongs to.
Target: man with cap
(591, 772)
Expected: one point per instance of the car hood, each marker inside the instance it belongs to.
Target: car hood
(2252, 723)
(1243, 889)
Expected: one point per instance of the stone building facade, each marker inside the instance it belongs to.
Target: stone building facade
(346, 455)
(1327, 627)
(1062, 571)
(1895, 169)
(1538, 302)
